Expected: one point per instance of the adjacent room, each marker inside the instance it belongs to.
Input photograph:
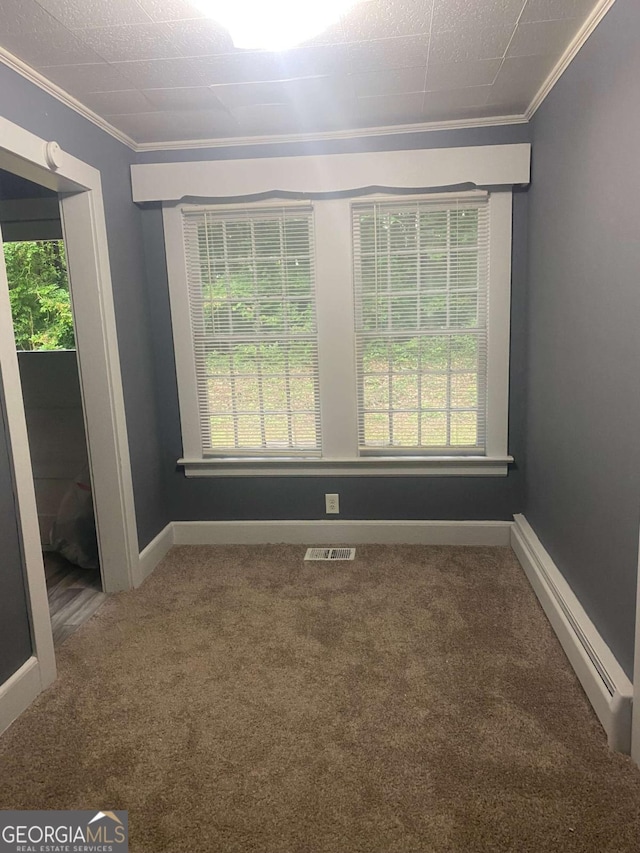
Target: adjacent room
(41, 311)
(319, 469)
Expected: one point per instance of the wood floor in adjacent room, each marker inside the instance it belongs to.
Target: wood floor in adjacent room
(414, 700)
(74, 595)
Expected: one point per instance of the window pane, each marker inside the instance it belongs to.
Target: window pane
(464, 429)
(434, 429)
(251, 286)
(421, 282)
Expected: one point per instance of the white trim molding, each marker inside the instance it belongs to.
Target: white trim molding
(370, 466)
(479, 165)
(342, 532)
(64, 97)
(156, 551)
(320, 136)
(603, 679)
(575, 45)
(83, 220)
(635, 723)
(19, 691)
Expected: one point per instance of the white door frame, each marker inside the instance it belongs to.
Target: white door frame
(635, 713)
(84, 228)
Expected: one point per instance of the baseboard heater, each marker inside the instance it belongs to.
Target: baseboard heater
(604, 681)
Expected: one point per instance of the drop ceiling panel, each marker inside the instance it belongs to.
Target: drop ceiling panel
(92, 77)
(185, 98)
(553, 10)
(79, 14)
(464, 45)
(159, 71)
(198, 37)
(116, 103)
(170, 10)
(389, 53)
(144, 41)
(460, 75)
(163, 73)
(376, 20)
(542, 38)
(396, 82)
(470, 14)
(53, 45)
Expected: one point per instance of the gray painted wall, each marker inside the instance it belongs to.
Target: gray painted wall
(583, 421)
(15, 639)
(360, 498)
(33, 109)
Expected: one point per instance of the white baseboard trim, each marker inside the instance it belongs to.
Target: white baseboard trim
(341, 532)
(603, 679)
(19, 691)
(155, 551)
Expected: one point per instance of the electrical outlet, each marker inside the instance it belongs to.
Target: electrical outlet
(332, 503)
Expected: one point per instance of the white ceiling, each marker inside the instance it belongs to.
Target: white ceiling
(158, 71)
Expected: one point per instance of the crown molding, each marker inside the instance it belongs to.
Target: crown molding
(600, 10)
(318, 136)
(59, 94)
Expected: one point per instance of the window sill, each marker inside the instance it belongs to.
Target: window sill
(383, 466)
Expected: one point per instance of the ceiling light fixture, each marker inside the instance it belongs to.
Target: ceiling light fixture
(274, 24)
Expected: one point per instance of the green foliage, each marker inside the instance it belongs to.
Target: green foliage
(39, 295)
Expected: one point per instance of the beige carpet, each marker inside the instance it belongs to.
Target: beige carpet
(413, 701)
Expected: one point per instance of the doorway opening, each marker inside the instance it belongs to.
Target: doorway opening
(43, 325)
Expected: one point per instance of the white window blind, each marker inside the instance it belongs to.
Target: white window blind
(250, 275)
(421, 287)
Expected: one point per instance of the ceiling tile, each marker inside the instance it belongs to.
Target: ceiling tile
(470, 14)
(24, 16)
(162, 73)
(390, 109)
(463, 45)
(320, 92)
(455, 75)
(472, 96)
(443, 113)
(519, 79)
(286, 118)
(235, 95)
(334, 34)
(114, 103)
(265, 119)
(171, 126)
(544, 37)
(248, 66)
(554, 10)
(182, 98)
(170, 10)
(387, 54)
(77, 14)
(399, 81)
(142, 41)
(54, 45)
(199, 37)
(382, 19)
(77, 79)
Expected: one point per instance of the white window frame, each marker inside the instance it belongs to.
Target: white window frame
(496, 167)
(337, 361)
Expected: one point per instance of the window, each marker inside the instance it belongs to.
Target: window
(343, 335)
(251, 296)
(39, 294)
(421, 283)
